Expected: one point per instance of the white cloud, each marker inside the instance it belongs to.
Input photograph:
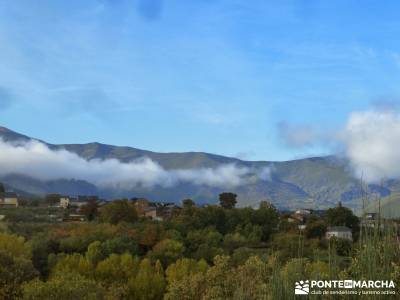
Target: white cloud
(371, 139)
(35, 159)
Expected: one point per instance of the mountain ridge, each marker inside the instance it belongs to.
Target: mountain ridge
(316, 181)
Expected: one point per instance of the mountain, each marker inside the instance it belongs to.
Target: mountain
(389, 206)
(316, 182)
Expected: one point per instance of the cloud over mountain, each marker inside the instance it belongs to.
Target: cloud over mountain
(37, 160)
(370, 139)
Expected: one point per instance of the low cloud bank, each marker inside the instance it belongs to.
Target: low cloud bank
(35, 159)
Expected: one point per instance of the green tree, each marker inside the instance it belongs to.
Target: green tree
(149, 283)
(15, 245)
(2, 189)
(67, 286)
(117, 270)
(342, 216)
(251, 280)
(315, 229)
(14, 271)
(120, 245)
(15, 265)
(219, 285)
(95, 253)
(186, 279)
(118, 211)
(167, 251)
(342, 246)
(71, 263)
(227, 200)
(42, 247)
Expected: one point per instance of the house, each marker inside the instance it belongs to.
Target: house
(8, 199)
(64, 202)
(152, 213)
(341, 232)
(141, 204)
(168, 210)
(72, 202)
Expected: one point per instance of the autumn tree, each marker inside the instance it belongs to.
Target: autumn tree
(15, 266)
(167, 251)
(149, 283)
(118, 211)
(67, 286)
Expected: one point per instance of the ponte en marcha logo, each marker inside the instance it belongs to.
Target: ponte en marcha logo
(345, 287)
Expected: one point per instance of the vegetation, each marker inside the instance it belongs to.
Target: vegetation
(213, 252)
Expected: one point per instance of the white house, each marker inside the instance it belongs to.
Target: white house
(64, 202)
(8, 199)
(341, 232)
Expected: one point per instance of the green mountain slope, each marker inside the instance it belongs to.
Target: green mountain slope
(389, 206)
(310, 182)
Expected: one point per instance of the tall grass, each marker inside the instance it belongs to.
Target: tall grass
(375, 256)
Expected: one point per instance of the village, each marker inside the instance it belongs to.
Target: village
(71, 209)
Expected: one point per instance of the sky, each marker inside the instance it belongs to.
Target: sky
(258, 80)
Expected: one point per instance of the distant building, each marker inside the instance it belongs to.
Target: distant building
(371, 216)
(152, 213)
(8, 199)
(341, 232)
(141, 204)
(154, 210)
(64, 202)
(72, 202)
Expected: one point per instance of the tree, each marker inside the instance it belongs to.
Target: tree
(52, 199)
(95, 253)
(15, 245)
(251, 280)
(188, 203)
(342, 216)
(186, 279)
(67, 286)
(117, 269)
(14, 270)
(149, 283)
(167, 251)
(90, 210)
(2, 189)
(118, 211)
(315, 229)
(342, 246)
(227, 200)
(120, 245)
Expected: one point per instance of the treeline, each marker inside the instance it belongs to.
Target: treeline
(214, 252)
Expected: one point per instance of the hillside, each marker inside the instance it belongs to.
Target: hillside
(311, 182)
(389, 206)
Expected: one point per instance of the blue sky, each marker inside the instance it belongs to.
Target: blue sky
(221, 76)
